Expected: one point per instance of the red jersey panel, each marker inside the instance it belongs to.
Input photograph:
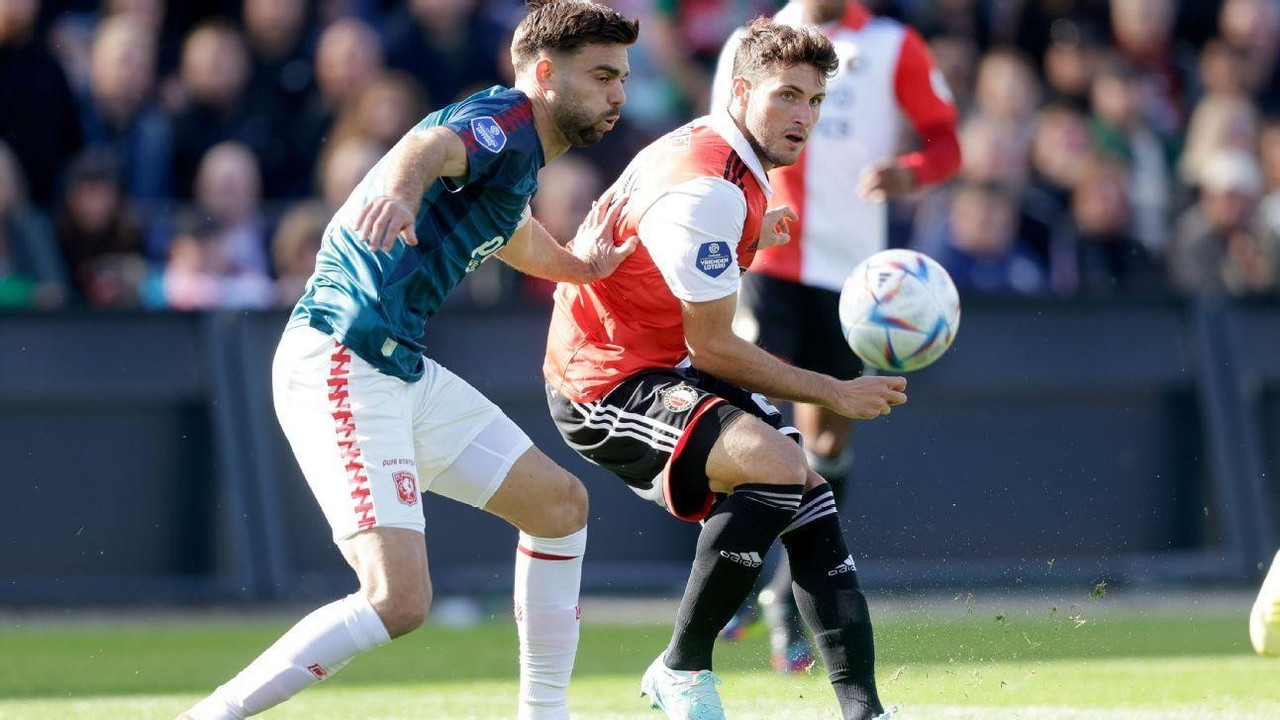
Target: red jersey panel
(612, 328)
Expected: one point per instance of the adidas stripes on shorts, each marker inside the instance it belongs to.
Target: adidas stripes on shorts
(655, 430)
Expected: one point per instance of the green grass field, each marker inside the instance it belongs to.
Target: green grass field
(1071, 662)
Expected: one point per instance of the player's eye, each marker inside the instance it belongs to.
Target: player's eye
(788, 95)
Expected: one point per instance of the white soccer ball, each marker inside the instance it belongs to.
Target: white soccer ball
(899, 310)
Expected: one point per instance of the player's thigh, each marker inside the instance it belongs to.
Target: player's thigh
(464, 445)
(750, 450)
(540, 497)
(349, 428)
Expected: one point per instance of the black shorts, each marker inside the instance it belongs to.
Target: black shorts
(799, 324)
(655, 430)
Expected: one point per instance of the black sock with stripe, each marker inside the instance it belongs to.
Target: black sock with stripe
(731, 549)
(825, 581)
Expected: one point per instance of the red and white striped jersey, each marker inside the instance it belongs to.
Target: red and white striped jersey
(696, 199)
(885, 74)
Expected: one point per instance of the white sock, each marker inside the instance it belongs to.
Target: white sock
(317, 647)
(548, 574)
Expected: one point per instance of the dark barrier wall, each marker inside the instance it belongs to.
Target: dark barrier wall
(1056, 442)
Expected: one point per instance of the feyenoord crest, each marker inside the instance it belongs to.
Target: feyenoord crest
(406, 487)
(679, 398)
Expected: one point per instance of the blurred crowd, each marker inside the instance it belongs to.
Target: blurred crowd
(188, 155)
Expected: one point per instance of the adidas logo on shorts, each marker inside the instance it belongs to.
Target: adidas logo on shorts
(847, 565)
(749, 559)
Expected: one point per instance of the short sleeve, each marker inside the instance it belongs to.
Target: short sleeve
(692, 234)
(487, 141)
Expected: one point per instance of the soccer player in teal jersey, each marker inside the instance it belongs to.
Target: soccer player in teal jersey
(374, 422)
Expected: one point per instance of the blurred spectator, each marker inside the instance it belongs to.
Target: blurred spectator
(1144, 36)
(1219, 122)
(99, 235)
(120, 113)
(982, 251)
(382, 111)
(1252, 28)
(448, 45)
(1220, 247)
(200, 275)
(294, 248)
(39, 120)
(70, 40)
(685, 38)
(1222, 71)
(1269, 208)
(1071, 61)
(1059, 151)
(280, 83)
(228, 193)
(215, 73)
(348, 59)
(1120, 128)
(1007, 91)
(956, 56)
(343, 166)
(1039, 24)
(31, 271)
(1093, 250)
(957, 18)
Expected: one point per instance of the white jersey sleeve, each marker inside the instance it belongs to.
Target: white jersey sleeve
(692, 234)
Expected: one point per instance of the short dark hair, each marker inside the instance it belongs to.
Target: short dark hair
(562, 26)
(769, 45)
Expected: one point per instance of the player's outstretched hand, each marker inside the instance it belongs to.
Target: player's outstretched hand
(869, 397)
(594, 243)
(382, 220)
(776, 228)
(885, 180)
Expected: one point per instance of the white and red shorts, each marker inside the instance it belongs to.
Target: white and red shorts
(370, 444)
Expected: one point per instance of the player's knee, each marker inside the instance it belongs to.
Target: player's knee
(775, 460)
(568, 513)
(402, 613)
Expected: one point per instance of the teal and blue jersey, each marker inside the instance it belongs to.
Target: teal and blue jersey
(378, 303)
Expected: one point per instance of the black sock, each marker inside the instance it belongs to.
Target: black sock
(832, 604)
(731, 549)
(835, 470)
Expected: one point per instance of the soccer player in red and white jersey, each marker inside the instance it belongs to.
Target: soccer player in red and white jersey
(838, 188)
(646, 378)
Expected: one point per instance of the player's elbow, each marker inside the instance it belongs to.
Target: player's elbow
(707, 355)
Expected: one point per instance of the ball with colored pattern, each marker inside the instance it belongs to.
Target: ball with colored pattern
(899, 310)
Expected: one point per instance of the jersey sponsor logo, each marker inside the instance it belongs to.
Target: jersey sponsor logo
(679, 398)
(406, 487)
(713, 258)
(746, 559)
(483, 252)
(489, 134)
(846, 566)
(318, 671)
(679, 142)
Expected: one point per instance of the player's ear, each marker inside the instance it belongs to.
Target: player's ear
(543, 72)
(740, 92)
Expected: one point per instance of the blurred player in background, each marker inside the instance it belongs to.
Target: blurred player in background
(374, 422)
(789, 301)
(646, 378)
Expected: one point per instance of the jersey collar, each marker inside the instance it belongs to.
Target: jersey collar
(724, 125)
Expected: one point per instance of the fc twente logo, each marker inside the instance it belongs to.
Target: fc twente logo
(406, 487)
